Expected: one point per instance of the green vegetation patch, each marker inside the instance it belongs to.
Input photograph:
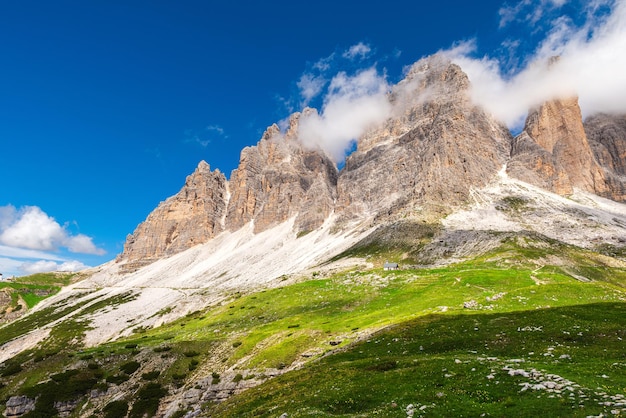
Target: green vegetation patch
(148, 398)
(564, 362)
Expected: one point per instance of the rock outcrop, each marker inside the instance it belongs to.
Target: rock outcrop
(192, 216)
(278, 179)
(607, 138)
(554, 153)
(17, 406)
(425, 160)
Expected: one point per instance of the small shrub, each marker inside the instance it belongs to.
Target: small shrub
(116, 409)
(130, 346)
(10, 369)
(117, 379)
(130, 367)
(101, 387)
(93, 366)
(162, 349)
(383, 366)
(238, 378)
(148, 398)
(193, 364)
(179, 414)
(65, 376)
(151, 375)
(236, 344)
(215, 378)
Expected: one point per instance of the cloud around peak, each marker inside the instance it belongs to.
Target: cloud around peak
(521, 73)
(352, 104)
(590, 63)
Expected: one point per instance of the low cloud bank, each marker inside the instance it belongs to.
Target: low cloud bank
(590, 45)
(31, 228)
(591, 64)
(30, 242)
(352, 105)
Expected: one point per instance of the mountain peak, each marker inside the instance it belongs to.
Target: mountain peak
(553, 152)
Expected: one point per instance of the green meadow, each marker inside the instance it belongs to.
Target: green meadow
(503, 334)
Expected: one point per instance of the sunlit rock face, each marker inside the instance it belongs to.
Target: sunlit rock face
(278, 179)
(191, 217)
(554, 152)
(424, 161)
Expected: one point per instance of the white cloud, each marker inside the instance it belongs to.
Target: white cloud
(215, 128)
(45, 266)
(82, 244)
(41, 266)
(26, 253)
(310, 86)
(359, 50)
(32, 229)
(352, 105)
(72, 265)
(324, 64)
(9, 267)
(529, 11)
(591, 65)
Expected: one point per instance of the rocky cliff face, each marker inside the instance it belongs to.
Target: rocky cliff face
(278, 179)
(554, 153)
(192, 216)
(422, 163)
(425, 160)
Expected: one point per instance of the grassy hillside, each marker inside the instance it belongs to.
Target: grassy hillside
(20, 294)
(530, 327)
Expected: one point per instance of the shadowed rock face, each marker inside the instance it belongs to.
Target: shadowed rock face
(192, 216)
(607, 138)
(554, 153)
(425, 160)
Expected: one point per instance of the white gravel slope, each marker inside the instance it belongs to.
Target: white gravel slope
(193, 279)
(582, 219)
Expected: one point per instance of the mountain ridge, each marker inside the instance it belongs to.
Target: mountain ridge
(200, 299)
(421, 163)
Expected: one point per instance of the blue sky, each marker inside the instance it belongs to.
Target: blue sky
(106, 106)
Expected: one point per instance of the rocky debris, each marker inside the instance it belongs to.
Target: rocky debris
(278, 179)
(8, 310)
(553, 152)
(217, 389)
(66, 408)
(19, 405)
(425, 161)
(191, 217)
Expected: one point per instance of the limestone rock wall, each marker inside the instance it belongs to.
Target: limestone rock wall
(192, 216)
(553, 152)
(425, 160)
(278, 179)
